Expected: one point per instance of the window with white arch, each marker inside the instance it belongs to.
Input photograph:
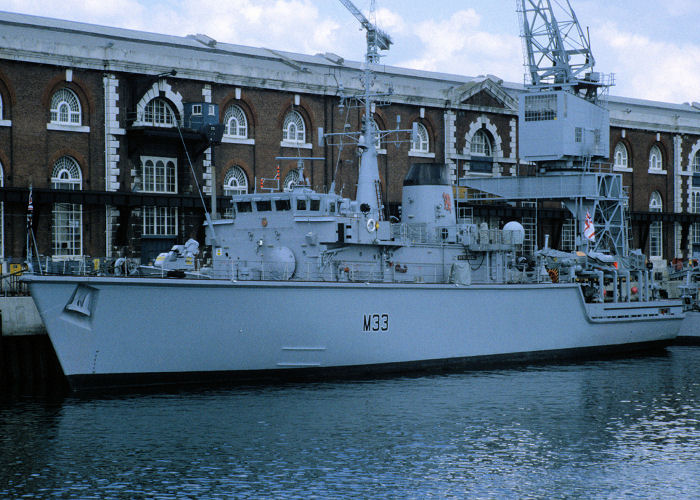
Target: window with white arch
(421, 144)
(696, 163)
(656, 163)
(293, 128)
(159, 113)
(65, 108)
(67, 227)
(655, 229)
(235, 181)
(235, 123)
(621, 157)
(290, 180)
(481, 144)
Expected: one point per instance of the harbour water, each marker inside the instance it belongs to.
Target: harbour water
(620, 428)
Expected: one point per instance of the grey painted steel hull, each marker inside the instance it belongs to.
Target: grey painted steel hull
(131, 329)
(689, 332)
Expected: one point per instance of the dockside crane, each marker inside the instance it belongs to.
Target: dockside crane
(564, 123)
(376, 39)
(564, 130)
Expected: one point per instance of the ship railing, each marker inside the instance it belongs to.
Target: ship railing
(421, 233)
(344, 271)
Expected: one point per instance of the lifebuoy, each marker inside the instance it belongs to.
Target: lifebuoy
(371, 225)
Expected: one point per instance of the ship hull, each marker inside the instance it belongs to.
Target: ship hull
(117, 331)
(689, 333)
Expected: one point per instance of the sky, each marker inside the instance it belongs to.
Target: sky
(652, 47)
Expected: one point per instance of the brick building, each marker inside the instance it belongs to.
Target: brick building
(88, 118)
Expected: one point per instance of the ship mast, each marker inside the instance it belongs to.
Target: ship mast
(368, 187)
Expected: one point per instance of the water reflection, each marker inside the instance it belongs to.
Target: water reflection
(598, 429)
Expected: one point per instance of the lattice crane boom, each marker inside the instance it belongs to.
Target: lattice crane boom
(557, 53)
(376, 39)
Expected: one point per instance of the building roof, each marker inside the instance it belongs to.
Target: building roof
(199, 57)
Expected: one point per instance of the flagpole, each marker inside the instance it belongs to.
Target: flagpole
(30, 234)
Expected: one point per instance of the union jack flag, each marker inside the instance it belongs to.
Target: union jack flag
(588, 227)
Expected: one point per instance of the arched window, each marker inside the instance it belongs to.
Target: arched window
(655, 229)
(696, 163)
(481, 144)
(66, 174)
(420, 140)
(65, 108)
(67, 228)
(290, 180)
(621, 157)
(159, 113)
(655, 159)
(235, 181)
(695, 202)
(293, 128)
(235, 122)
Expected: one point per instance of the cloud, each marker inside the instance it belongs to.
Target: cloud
(458, 45)
(650, 69)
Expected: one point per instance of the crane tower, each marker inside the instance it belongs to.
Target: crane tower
(564, 123)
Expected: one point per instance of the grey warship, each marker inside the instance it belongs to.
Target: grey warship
(304, 284)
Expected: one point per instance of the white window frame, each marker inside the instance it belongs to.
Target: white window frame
(656, 228)
(696, 163)
(420, 146)
(294, 130)
(159, 113)
(65, 108)
(3, 122)
(159, 221)
(480, 144)
(158, 174)
(235, 123)
(235, 181)
(621, 158)
(67, 226)
(65, 112)
(656, 160)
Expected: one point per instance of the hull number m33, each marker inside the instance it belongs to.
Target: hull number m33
(375, 323)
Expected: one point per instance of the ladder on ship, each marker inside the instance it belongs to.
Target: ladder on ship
(378, 192)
